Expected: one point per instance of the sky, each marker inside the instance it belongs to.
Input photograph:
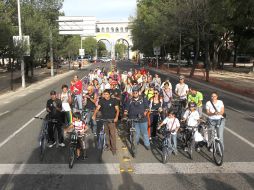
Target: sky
(101, 9)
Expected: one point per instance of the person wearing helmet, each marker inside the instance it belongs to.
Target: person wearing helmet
(181, 91)
(172, 124)
(191, 117)
(137, 108)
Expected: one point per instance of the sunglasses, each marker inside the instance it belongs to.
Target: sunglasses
(213, 96)
(156, 93)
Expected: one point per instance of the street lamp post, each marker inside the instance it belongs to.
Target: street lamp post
(20, 38)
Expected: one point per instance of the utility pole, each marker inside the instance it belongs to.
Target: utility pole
(51, 52)
(21, 40)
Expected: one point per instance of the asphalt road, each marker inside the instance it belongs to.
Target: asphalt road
(20, 167)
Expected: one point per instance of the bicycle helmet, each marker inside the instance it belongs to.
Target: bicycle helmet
(192, 104)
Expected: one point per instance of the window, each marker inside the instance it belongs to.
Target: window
(117, 29)
(126, 29)
(97, 30)
(121, 29)
(112, 29)
(107, 29)
(102, 29)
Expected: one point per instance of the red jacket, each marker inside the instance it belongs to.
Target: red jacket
(78, 85)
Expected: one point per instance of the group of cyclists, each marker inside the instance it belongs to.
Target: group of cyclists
(133, 94)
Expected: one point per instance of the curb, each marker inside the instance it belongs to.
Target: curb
(202, 84)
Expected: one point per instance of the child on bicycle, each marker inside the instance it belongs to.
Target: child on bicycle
(81, 129)
(191, 119)
(172, 125)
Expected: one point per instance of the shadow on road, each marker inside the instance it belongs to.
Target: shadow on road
(211, 184)
(128, 183)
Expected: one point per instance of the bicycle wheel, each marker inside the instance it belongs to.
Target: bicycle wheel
(42, 147)
(101, 146)
(165, 155)
(218, 152)
(133, 144)
(190, 148)
(71, 156)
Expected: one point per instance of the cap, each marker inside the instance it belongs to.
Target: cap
(135, 88)
(52, 92)
(113, 82)
(181, 77)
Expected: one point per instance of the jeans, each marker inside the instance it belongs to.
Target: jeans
(79, 101)
(51, 132)
(142, 128)
(91, 122)
(219, 124)
(173, 138)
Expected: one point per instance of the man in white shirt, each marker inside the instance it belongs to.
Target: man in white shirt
(215, 112)
(181, 91)
(172, 124)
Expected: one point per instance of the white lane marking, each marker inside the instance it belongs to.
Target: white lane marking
(21, 95)
(193, 168)
(139, 169)
(20, 129)
(6, 102)
(240, 137)
(1, 114)
(3, 77)
(237, 135)
(240, 111)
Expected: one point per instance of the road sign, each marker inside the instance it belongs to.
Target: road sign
(25, 44)
(81, 52)
(157, 50)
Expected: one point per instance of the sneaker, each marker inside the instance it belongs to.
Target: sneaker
(185, 149)
(198, 149)
(107, 148)
(52, 144)
(210, 149)
(62, 144)
(175, 153)
(147, 147)
(95, 134)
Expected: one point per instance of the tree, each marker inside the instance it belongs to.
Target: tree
(120, 50)
(90, 45)
(102, 50)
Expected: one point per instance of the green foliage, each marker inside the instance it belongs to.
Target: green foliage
(120, 50)
(90, 45)
(216, 22)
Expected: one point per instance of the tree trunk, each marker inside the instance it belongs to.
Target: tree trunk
(195, 63)
(207, 59)
(235, 54)
(180, 53)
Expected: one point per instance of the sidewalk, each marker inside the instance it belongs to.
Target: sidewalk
(39, 75)
(238, 83)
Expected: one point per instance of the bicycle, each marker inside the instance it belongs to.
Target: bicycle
(215, 143)
(132, 135)
(101, 141)
(74, 146)
(44, 136)
(167, 148)
(188, 138)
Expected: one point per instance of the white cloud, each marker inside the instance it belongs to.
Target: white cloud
(102, 9)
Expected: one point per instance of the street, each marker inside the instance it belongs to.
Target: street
(21, 168)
